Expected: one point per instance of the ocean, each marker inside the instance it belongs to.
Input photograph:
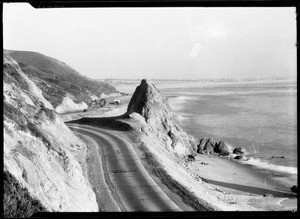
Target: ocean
(260, 116)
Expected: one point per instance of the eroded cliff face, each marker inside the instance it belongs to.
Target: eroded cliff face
(149, 103)
(68, 105)
(40, 151)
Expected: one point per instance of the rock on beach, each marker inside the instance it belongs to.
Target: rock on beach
(239, 151)
(221, 148)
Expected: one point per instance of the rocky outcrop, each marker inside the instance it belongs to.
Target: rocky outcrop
(294, 189)
(238, 157)
(221, 148)
(239, 151)
(206, 146)
(190, 157)
(97, 102)
(201, 145)
(209, 146)
(40, 151)
(150, 104)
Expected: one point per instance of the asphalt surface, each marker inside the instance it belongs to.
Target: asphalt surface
(133, 188)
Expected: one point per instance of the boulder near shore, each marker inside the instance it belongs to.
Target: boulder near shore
(221, 148)
(209, 146)
(239, 151)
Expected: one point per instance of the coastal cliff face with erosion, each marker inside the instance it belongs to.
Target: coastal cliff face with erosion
(65, 88)
(40, 152)
(148, 102)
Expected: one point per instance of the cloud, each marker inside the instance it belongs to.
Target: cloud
(195, 50)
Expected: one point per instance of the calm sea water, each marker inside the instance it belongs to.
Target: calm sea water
(258, 116)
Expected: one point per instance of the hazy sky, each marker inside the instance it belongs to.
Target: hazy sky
(183, 43)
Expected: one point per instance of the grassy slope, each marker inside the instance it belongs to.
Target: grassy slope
(55, 78)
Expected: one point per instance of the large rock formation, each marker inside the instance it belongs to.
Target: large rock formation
(201, 145)
(209, 146)
(149, 103)
(222, 148)
(40, 151)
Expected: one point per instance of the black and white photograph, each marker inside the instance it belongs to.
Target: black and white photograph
(149, 109)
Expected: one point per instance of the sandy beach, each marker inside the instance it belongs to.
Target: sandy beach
(237, 177)
(234, 179)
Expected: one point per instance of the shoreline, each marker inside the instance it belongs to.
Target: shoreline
(280, 178)
(235, 179)
(258, 183)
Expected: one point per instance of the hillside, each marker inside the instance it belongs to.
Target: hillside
(65, 88)
(40, 152)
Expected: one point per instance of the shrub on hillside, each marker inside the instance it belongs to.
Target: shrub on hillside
(15, 114)
(37, 133)
(50, 113)
(17, 201)
(10, 74)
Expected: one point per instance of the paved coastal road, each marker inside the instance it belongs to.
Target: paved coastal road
(134, 189)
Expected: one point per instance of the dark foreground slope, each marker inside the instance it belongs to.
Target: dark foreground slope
(56, 79)
(17, 202)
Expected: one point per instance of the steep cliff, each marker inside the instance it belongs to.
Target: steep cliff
(65, 88)
(150, 104)
(40, 151)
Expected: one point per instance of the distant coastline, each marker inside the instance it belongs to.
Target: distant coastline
(129, 85)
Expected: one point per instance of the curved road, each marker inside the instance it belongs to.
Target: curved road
(134, 189)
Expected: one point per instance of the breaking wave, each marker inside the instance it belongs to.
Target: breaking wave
(269, 166)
